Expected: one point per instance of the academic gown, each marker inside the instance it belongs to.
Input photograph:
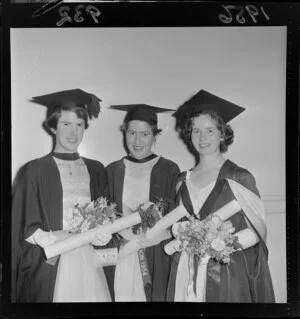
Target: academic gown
(247, 278)
(162, 185)
(37, 201)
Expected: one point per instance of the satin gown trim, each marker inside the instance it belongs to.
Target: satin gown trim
(198, 197)
(128, 282)
(78, 279)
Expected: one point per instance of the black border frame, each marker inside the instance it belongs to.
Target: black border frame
(142, 14)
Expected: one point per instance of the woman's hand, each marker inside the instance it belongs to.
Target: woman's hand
(127, 234)
(247, 238)
(142, 241)
(60, 235)
(101, 239)
(178, 227)
(145, 241)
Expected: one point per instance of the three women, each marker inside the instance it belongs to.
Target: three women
(137, 178)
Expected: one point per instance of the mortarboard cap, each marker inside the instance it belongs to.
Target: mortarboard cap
(142, 112)
(204, 100)
(76, 97)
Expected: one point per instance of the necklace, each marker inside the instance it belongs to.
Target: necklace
(70, 169)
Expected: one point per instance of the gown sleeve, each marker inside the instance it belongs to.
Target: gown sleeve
(247, 278)
(158, 261)
(29, 268)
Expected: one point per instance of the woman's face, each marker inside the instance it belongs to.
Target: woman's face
(205, 135)
(139, 138)
(69, 132)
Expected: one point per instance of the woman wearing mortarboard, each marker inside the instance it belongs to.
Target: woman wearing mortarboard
(44, 195)
(140, 177)
(214, 182)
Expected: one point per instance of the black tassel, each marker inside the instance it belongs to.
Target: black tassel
(93, 108)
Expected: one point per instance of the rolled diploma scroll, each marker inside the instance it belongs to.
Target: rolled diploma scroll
(224, 213)
(172, 217)
(85, 238)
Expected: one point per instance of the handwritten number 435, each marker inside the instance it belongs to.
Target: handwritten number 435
(79, 10)
(251, 10)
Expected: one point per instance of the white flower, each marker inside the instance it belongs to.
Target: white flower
(211, 236)
(75, 220)
(218, 244)
(90, 207)
(146, 205)
(113, 206)
(85, 226)
(102, 202)
(106, 221)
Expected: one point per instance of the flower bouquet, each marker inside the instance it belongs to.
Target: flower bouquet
(85, 237)
(196, 230)
(96, 217)
(93, 214)
(150, 213)
(201, 238)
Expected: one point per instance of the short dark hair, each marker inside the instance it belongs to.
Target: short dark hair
(186, 128)
(154, 129)
(52, 120)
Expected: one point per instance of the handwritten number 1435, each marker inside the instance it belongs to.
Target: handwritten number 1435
(251, 9)
(78, 16)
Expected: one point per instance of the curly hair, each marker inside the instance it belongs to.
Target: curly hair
(154, 129)
(52, 120)
(227, 134)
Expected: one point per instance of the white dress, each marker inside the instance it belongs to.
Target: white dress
(198, 197)
(128, 283)
(78, 279)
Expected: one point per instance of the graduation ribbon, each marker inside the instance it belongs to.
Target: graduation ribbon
(144, 266)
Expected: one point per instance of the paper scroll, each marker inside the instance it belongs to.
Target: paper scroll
(87, 237)
(165, 222)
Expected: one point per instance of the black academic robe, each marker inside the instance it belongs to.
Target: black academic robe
(247, 278)
(162, 185)
(37, 202)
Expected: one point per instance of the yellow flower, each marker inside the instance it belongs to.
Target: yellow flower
(210, 236)
(102, 202)
(226, 225)
(85, 226)
(89, 207)
(218, 244)
(106, 221)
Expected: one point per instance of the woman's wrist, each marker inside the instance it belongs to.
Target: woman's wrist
(247, 238)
